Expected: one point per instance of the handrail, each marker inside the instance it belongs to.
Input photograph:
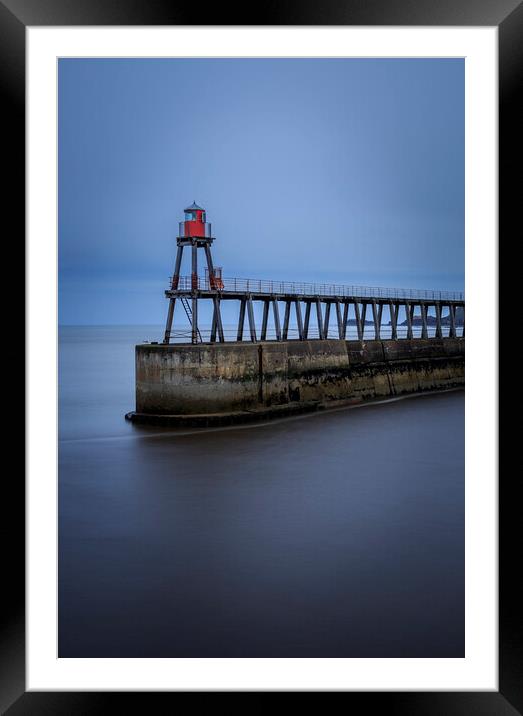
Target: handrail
(246, 285)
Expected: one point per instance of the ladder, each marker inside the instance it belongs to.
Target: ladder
(187, 308)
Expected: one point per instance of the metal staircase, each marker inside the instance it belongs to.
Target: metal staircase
(187, 308)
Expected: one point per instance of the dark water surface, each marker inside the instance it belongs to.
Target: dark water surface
(333, 535)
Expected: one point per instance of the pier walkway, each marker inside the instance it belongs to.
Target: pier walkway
(350, 305)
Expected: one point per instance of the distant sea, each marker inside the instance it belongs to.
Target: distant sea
(334, 535)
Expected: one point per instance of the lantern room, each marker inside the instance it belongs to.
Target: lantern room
(194, 225)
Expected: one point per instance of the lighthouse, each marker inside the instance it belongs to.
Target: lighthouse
(194, 232)
(195, 224)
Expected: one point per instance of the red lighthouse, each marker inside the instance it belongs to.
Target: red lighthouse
(195, 225)
(194, 233)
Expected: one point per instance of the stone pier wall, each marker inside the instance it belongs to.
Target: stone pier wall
(226, 378)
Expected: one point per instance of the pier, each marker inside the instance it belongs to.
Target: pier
(257, 374)
(318, 304)
(314, 306)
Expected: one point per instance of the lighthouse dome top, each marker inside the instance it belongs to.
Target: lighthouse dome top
(194, 207)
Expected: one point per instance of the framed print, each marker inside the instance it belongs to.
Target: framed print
(344, 146)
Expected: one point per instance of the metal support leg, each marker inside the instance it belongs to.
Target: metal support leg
(214, 325)
(169, 322)
(409, 320)
(276, 314)
(265, 319)
(241, 320)
(345, 318)
(250, 313)
(452, 314)
(299, 319)
(393, 321)
(463, 331)
(307, 319)
(326, 320)
(376, 322)
(380, 315)
(363, 316)
(339, 320)
(412, 311)
(172, 301)
(424, 329)
(217, 320)
(319, 317)
(286, 318)
(358, 320)
(177, 266)
(210, 266)
(194, 320)
(194, 286)
(439, 332)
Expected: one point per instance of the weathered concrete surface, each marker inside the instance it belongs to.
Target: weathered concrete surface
(221, 379)
(387, 368)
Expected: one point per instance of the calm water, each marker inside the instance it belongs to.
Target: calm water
(334, 535)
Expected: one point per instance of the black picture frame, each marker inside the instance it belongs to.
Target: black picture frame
(15, 16)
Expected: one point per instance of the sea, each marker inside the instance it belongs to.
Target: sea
(338, 534)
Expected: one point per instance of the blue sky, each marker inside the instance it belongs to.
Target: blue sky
(342, 170)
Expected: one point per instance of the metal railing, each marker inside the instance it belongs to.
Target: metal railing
(247, 285)
(179, 335)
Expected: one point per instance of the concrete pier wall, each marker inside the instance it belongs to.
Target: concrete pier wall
(187, 380)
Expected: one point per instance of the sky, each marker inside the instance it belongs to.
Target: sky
(323, 170)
